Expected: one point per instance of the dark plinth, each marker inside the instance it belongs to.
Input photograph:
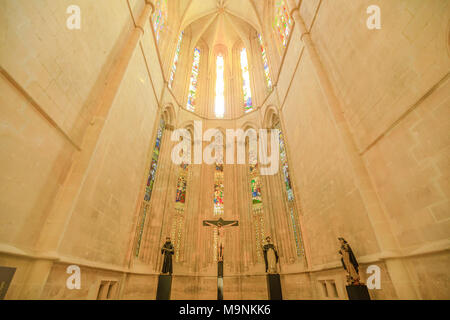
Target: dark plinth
(358, 292)
(220, 280)
(164, 287)
(274, 287)
(6, 275)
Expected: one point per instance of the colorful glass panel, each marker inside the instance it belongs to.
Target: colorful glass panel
(218, 190)
(159, 17)
(181, 185)
(285, 168)
(193, 82)
(283, 21)
(265, 62)
(175, 60)
(289, 192)
(257, 207)
(150, 183)
(255, 184)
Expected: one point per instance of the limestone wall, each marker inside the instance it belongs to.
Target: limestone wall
(79, 109)
(392, 87)
(79, 114)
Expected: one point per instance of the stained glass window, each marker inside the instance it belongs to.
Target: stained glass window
(289, 192)
(175, 60)
(248, 105)
(159, 17)
(218, 190)
(220, 86)
(257, 206)
(150, 183)
(177, 230)
(285, 169)
(181, 185)
(193, 83)
(265, 62)
(255, 184)
(283, 21)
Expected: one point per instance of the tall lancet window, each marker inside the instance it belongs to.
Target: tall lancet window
(283, 21)
(289, 193)
(175, 60)
(257, 205)
(265, 63)
(149, 186)
(220, 86)
(248, 105)
(179, 217)
(159, 17)
(193, 83)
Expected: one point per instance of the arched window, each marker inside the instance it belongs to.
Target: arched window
(150, 183)
(248, 105)
(175, 60)
(265, 62)
(220, 87)
(159, 17)
(257, 204)
(193, 83)
(177, 230)
(289, 192)
(283, 21)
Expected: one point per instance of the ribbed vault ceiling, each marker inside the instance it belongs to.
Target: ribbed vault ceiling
(219, 22)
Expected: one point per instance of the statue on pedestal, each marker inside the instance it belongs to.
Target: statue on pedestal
(167, 250)
(270, 256)
(349, 263)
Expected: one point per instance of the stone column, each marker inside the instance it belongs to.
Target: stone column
(59, 217)
(386, 240)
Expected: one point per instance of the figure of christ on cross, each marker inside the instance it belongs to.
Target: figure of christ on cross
(221, 225)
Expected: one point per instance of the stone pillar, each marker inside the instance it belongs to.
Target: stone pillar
(59, 217)
(386, 240)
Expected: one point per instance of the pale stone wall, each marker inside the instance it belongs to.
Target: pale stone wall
(79, 114)
(56, 74)
(392, 86)
(80, 110)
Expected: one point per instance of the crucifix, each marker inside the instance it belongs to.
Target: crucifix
(221, 225)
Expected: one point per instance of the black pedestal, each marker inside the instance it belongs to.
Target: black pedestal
(274, 287)
(164, 287)
(358, 292)
(220, 280)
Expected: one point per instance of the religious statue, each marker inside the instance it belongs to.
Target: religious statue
(349, 263)
(221, 225)
(270, 256)
(167, 250)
